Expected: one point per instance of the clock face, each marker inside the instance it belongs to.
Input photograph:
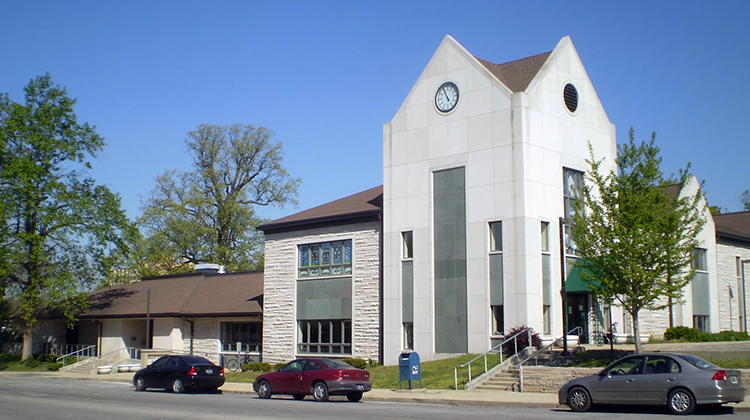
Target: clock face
(446, 97)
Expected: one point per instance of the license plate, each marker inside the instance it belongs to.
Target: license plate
(733, 379)
(360, 387)
(210, 371)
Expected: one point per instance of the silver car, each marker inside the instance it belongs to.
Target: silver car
(680, 381)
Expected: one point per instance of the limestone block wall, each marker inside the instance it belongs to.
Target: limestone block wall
(206, 338)
(280, 277)
(730, 306)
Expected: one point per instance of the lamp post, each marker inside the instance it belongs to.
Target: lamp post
(148, 316)
(563, 292)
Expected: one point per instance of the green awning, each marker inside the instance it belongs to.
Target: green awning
(574, 281)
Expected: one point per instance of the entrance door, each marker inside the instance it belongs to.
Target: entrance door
(577, 308)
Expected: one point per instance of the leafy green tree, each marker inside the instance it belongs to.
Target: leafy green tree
(635, 234)
(208, 213)
(60, 229)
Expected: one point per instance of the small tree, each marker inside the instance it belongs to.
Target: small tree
(634, 234)
(745, 199)
(60, 230)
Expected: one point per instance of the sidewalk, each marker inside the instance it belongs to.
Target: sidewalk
(421, 396)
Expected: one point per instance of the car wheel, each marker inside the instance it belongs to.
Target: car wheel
(354, 396)
(177, 386)
(579, 399)
(264, 390)
(681, 401)
(320, 391)
(299, 397)
(139, 383)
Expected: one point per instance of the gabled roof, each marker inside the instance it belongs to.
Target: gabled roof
(363, 206)
(517, 74)
(733, 226)
(189, 295)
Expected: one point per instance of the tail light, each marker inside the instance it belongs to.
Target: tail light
(720, 376)
(221, 371)
(192, 371)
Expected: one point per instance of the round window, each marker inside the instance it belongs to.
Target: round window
(570, 95)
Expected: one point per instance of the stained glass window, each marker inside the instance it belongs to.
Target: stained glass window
(325, 259)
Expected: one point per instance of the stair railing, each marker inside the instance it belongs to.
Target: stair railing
(513, 338)
(88, 351)
(578, 330)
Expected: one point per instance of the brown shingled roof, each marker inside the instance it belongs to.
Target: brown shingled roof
(517, 75)
(733, 225)
(367, 203)
(195, 295)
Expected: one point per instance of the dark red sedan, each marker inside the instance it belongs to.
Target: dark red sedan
(319, 377)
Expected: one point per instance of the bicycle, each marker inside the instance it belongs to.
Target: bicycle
(234, 362)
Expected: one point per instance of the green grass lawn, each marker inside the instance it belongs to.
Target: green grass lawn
(435, 375)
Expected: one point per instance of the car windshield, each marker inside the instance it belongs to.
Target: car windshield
(698, 362)
(335, 364)
(196, 360)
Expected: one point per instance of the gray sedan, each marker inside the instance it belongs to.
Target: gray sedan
(680, 381)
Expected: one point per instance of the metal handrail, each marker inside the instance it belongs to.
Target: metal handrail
(133, 353)
(76, 354)
(536, 354)
(514, 337)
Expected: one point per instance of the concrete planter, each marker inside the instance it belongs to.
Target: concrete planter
(103, 370)
(644, 339)
(621, 338)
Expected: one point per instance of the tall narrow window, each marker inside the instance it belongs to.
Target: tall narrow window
(740, 293)
(407, 290)
(700, 288)
(572, 183)
(546, 280)
(496, 278)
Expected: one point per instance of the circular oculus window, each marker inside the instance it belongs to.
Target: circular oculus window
(570, 96)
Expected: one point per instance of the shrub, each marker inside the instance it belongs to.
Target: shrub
(373, 363)
(683, 334)
(278, 366)
(522, 340)
(730, 336)
(32, 363)
(256, 367)
(54, 366)
(45, 358)
(9, 358)
(356, 362)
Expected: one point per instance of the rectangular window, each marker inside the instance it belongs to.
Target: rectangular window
(407, 241)
(408, 336)
(700, 322)
(699, 260)
(325, 259)
(247, 334)
(572, 184)
(497, 298)
(327, 336)
(546, 279)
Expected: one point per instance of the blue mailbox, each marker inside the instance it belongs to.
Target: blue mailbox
(409, 369)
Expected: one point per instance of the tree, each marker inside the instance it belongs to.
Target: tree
(745, 199)
(208, 213)
(61, 229)
(634, 233)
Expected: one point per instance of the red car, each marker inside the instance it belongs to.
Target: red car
(319, 377)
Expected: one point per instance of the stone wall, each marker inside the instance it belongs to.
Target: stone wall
(549, 380)
(279, 309)
(729, 307)
(206, 339)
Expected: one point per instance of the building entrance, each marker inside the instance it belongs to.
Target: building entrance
(577, 308)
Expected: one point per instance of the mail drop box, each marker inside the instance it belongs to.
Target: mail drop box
(409, 369)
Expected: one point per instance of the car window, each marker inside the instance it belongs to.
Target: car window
(172, 362)
(661, 364)
(293, 366)
(698, 362)
(627, 366)
(312, 365)
(160, 362)
(335, 364)
(196, 360)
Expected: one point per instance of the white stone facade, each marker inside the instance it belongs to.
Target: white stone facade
(731, 306)
(280, 278)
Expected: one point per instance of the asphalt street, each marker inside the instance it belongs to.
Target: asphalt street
(60, 399)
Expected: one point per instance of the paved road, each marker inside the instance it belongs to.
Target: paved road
(38, 398)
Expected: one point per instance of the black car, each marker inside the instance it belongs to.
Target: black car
(179, 373)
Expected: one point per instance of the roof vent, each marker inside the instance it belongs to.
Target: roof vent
(570, 94)
(209, 268)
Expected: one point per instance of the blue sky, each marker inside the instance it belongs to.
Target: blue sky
(325, 76)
